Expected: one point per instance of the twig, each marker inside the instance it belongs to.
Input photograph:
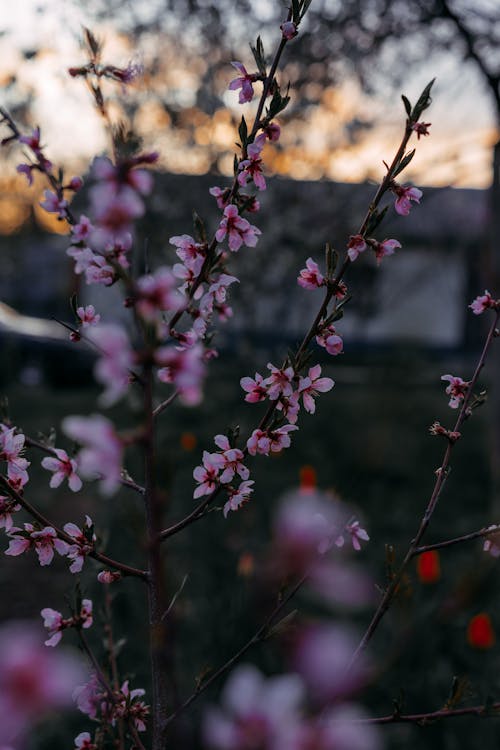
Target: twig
(486, 531)
(481, 712)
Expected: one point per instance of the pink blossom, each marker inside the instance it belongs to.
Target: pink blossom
(243, 82)
(62, 467)
(82, 231)
(84, 742)
(237, 497)
(45, 542)
(272, 131)
(88, 316)
(129, 707)
(221, 195)
(492, 544)
(404, 197)
(75, 184)
(54, 205)
(207, 475)
(26, 169)
(188, 250)
(98, 271)
(456, 389)
(113, 212)
(421, 128)
(101, 454)
(83, 543)
(322, 656)
(387, 247)
(256, 712)
(131, 73)
(117, 357)
(482, 303)
(289, 407)
(357, 534)
(251, 167)
(32, 140)
(289, 30)
(54, 622)
(11, 447)
(330, 340)
(310, 386)
(239, 230)
(185, 369)
(310, 277)
(279, 383)
(233, 460)
(34, 682)
(88, 696)
(7, 508)
(156, 293)
(85, 618)
(256, 389)
(356, 245)
(259, 442)
(108, 576)
(267, 441)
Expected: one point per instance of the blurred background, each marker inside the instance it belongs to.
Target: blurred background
(407, 325)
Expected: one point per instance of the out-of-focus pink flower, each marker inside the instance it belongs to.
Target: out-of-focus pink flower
(251, 168)
(132, 72)
(88, 697)
(32, 140)
(34, 681)
(289, 30)
(387, 247)
(117, 357)
(88, 316)
(492, 544)
(185, 369)
(7, 508)
(62, 467)
(156, 293)
(239, 231)
(243, 82)
(82, 231)
(27, 170)
(330, 340)
(310, 277)
(421, 128)
(108, 576)
(84, 742)
(482, 303)
(272, 131)
(322, 655)
(54, 205)
(310, 386)
(256, 713)
(207, 475)
(11, 447)
(404, 196)
(237, 497)
(355, 246)
(456, 390)
(101, 454)
(256, 390)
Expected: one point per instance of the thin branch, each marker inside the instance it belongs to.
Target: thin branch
(481, 712)
(127, 570)
(441, 473)
(259, 636)
(165, 404)
(486, 531)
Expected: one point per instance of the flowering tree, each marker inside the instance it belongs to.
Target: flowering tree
(162, 355)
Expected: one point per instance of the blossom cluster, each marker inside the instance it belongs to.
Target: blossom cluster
(98, 703)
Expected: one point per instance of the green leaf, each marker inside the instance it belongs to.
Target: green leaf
(375, 219)
(404, 163)
(424, 101)
(296, 11)
(259, 56)
(243, 132)
(281, 626)
(73, 301)
(407, 105)
(305, 7)
(199, 227)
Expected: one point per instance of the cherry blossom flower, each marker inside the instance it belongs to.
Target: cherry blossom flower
(387, 247)
(272, 131)
(357, 534)
(404, 196)
(62, 467)
(156, 293)
(289, 407)
(7, 508)
(34, 681)
(83, 545)
(130, 707)
(84, 742)
(237, 497)
(256, 712)
(55, 623)
(185, 369)
(81, 232)
(108, 576)
(44, 541)
(456, 389)
(101, 455)
(256, 390)
(266, 441)
(279, 383)
(232, 460)
(310, 277)
(32, 140)
(117, 357)
(207, 475)
(492, 544)
(26, 169)
(356, 245)
(11, 447)
(289, 30)
(482, 303)
(239, 231)
(330, 340)
(243, 82)
(88, 697)
(113, 213)
(421, 128)
(188, 250)
(54, 205)
(88, 316)
(251, 168)
(310, 386)
(221, 195)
